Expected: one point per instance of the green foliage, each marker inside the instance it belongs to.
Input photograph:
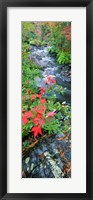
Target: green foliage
(53, 50)
(57, 124)
(26, 129)
(26, 144)
(53, 126)
(28, 31)
(63, 58)
(56, 36)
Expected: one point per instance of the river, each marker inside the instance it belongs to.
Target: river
(49, 66)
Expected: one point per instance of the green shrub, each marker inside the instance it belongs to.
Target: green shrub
(63, 57)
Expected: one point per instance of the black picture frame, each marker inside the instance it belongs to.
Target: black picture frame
(3, 96)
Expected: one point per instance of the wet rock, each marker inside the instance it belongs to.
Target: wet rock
(26, 168)
(41, 172)
(60, 163)
(59, 135)
(27, 160)
(63, 144)
(35, 173)
(44, 148)
(70, 65)
(45, 161)
(51, 175)
(32, 166)
(47, 172)
(68, 155)
(53, 167)
(53, 145)
(39, 151)
(69, 174)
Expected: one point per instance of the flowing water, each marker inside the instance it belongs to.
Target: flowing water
(49, 66)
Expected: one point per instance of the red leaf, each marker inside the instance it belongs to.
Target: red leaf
(34, 96)
(51, 114)
(39, 115)
(39, 109)
(42, 90)
(38, 121)
(50, 80)
(36, 130)
(28, 114)
(24, 120)
(29, 92)
(43, 101)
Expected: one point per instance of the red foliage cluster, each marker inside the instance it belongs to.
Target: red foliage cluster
(43, 101)
(42, 90)
(24, 120)
(28, 114)
(39, 109)
(34, 96)
(49, 80)
(67, 32)
(36, 130)
(37, 113)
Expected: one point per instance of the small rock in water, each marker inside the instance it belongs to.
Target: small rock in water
(32, 166)
(64, 102)
(27, 160)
